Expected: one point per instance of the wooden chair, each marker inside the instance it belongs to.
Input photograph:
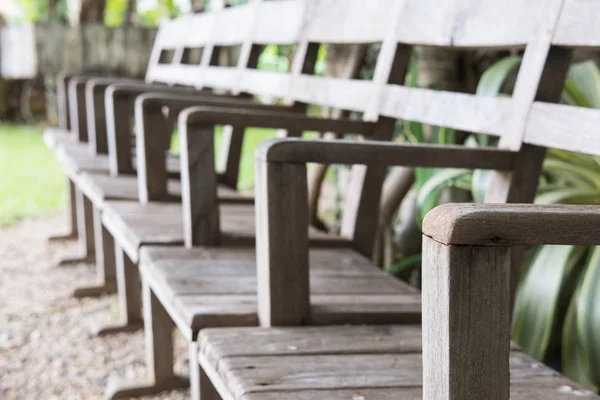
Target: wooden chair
(156, 221)
(82, 142)
(110, 175)
(470, 251)
(229, 230)
(197, 288)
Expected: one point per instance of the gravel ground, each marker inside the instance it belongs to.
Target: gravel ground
(45, 349)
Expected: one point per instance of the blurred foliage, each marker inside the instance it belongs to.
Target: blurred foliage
(557, 311)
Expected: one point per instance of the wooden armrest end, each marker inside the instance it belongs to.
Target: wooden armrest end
(513, 224)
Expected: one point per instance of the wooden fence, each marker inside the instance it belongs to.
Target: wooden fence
(27, 51)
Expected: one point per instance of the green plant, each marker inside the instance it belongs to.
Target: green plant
(557, 310)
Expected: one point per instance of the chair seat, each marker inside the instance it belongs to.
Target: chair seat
(75, 156)
(99, 187)
(54, 137)
(335, 363)
(160, 223)
(217, 287)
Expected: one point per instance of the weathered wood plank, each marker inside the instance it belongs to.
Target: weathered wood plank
(513, 224)
(282, 270)
(466, 291)
(564, 127)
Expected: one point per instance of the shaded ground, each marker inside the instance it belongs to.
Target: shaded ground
(45, 349)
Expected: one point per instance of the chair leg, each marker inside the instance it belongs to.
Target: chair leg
(73, 216)
(128, 288)
(200, 384)
(85, 231)
(158, 333)
(105, 262)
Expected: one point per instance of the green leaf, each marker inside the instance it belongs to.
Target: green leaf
(404, 264)
(569, 196)
(581, 348)
(583, 160)
(584, 79)
(574, 360)
(544, 296)
(493, 79)
(579, 176)
(429, 193)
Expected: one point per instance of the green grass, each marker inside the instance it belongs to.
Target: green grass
(31, 181)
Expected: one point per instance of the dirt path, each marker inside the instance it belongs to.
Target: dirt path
(45, 349)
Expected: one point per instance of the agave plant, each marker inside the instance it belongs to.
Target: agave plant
(557, 311)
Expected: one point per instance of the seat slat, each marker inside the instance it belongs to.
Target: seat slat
(134, 224)
(399, 369)
(381, 362)
(560, 389)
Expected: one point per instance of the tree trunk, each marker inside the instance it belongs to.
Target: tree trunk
(81, 11)
(130, 12)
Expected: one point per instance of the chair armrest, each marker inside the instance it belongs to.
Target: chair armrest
(383, 153)
(466, 287)
(153, 137)
(513, 224)
(200, 209)
(119, 100)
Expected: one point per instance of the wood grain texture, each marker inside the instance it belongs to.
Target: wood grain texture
(118, 128)
(576, 26)
(373, 152)
(453, 110)
(77, 110)
(564, 127)
(105, 251)
(396, 372)
(62, 100)
(73, 223)
(530, 75)
(153, 139)
(96, 119)
(128, 287)
(158, 336)
(465, 292)
(282, 269)
(85, 225)
(200, 207)
(217, 287)
(512, 224)
(345, 362)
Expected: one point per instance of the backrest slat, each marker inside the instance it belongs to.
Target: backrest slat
(564, 127)
(530, 73)
(441, 108)
(468, 23)
(578, 25)
(332, 92)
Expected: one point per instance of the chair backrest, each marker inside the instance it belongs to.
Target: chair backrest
(304, 24)
(527, 123)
